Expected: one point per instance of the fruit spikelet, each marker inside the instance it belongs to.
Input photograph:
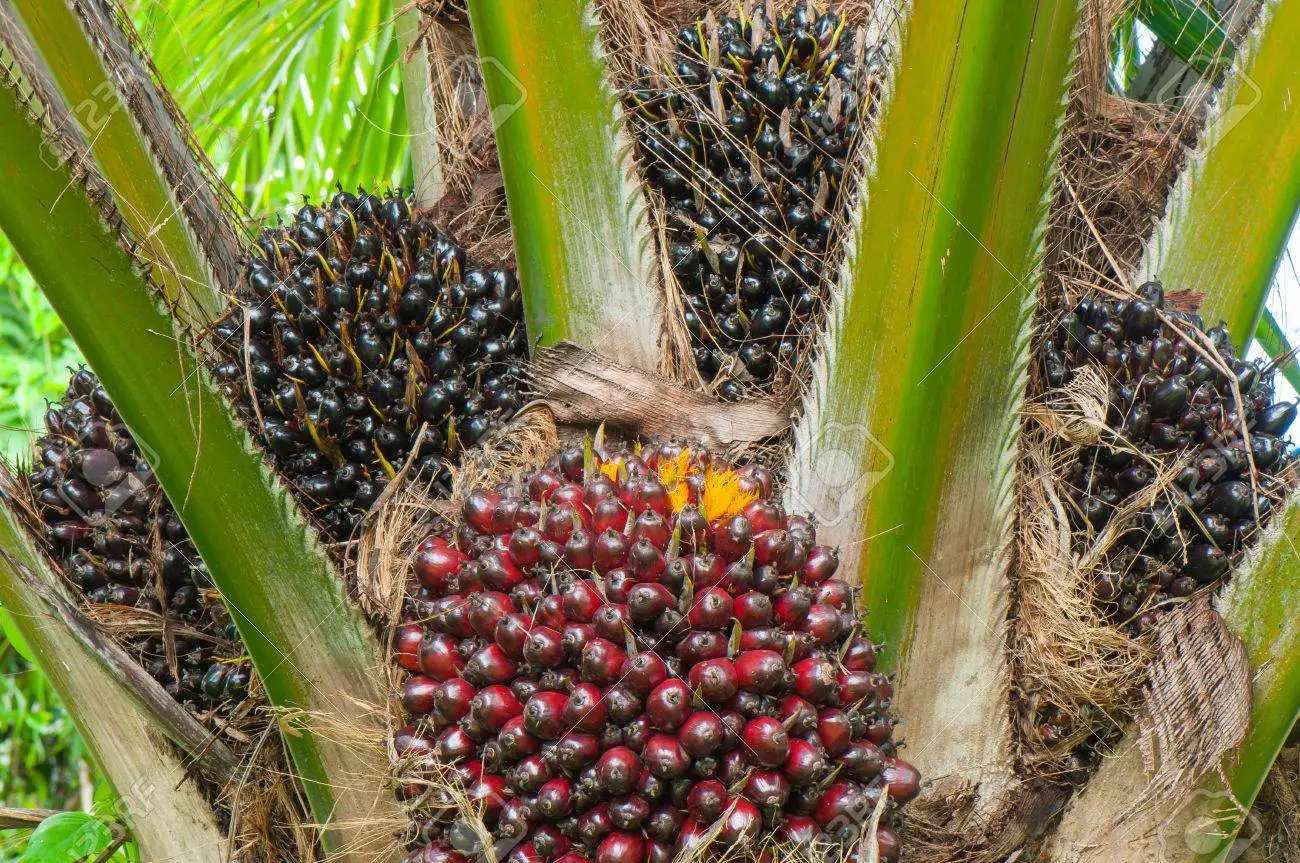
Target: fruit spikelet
(723, 496)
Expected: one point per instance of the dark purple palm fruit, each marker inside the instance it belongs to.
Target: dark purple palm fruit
(619, 725)
(362, 325)
(750, 149)
(104, 520)
(1173, 387)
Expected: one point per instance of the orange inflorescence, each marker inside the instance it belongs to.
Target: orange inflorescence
(723, 495)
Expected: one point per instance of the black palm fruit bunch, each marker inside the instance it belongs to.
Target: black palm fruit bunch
(364, 325)
(1173, 393)
(617, 653)
(748, 138)
(113, 534)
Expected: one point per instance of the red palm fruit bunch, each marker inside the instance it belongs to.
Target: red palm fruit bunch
(627, 657)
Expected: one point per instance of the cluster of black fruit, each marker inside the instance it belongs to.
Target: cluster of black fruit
(110, 528)
(1174, 388)
(623, 659)
(748, 139)
(363, 325)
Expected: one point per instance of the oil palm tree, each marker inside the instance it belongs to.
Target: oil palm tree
(907, 438)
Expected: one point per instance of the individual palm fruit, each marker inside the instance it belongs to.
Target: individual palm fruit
(363, 325)
(615, 650)
(1174, 389)
(115, 537)
(748, 137)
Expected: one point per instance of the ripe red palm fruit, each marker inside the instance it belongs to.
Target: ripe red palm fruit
(439, 657)
(580, 600)
(647, 601)
(544, 715)
(732, 538)
(643, 671)
(862, 760)
(610, 550)
(804, 763)
(669, 704)
(609, 514)
(903, 780)
(815, 679)
(699, 645)
(835, 732)
(798, 830)
(767, 788)
(645, 561)
(835, 593)
(706, 800)
(764, 515)
(821, 563)
(544, 647)
(734, 686)
(664, 822)
(659, 852)
(489, 664)
(585, 708)
(766, 741)
(798, 716)
(742, 823)
(511, 633)
(576, 750)
(611, 622)
(714, 680)
(702, 733)
(486, 609)
(753, 609)
(418, 695)
(451, 700)
(760, 671)
(711, 609)
(621, 847)
(653, 528)
(838, 805)
(406, 645)
(629, 812)
(454, 744)
(664, 757)
(860, 656)
(618, 770)
(601, 661)
(436, 563)
(494, 706)
(516, 741)
(481, 510)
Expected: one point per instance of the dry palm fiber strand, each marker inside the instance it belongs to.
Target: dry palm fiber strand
(94, 501)
(472, 203)
(368, 339)
(749, 132)
(592, 684)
